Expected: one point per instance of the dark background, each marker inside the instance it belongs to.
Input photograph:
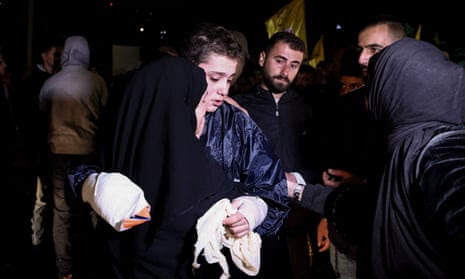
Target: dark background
(24, 24)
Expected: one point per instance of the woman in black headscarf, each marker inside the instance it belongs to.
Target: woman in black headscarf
(154, 144)
(418, 97)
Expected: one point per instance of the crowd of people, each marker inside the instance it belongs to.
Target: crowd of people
(350, 171)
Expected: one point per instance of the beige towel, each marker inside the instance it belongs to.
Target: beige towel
(212, 236)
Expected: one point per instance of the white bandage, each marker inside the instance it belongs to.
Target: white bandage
(114, 197)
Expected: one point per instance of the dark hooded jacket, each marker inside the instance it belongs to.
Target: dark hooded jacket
(418, 97)
(73, 100)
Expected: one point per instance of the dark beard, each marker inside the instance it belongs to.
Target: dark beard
(272, 87)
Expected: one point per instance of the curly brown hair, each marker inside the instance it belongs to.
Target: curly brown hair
(208, 38)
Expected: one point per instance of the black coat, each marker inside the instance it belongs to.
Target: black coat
(416, 94)
(287, 125)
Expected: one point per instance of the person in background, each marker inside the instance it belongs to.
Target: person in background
(72, 100)
(33, 128)
(417, 96)
(304, 79)
(352, 141)
(377, 33)
(347, 143)
(350, 76)
(282, 114)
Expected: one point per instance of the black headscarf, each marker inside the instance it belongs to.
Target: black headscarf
(416, 93)
(153, 143)
(424, 88)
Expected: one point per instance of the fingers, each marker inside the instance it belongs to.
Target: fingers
(233, 102)
(335, 177)
(345, 176)
(237, 225)
(324, 245)
(338, 172)
(329, 180)
(323, 235)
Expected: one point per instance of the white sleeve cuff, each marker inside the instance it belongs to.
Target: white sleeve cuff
(300, 179)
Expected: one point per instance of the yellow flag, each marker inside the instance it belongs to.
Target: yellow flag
(418, 34)
(289, 18)
(318, 53)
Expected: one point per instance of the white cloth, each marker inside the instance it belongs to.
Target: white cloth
(212, 236)
(115, 198)
(37, 218)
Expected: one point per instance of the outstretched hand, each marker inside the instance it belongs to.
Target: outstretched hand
(334, 178)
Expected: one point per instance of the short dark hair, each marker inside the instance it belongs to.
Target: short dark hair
(395, 24)
(208, 38)
(289, 38)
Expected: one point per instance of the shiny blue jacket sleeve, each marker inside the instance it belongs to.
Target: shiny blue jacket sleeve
(240, 146)
(77, 176)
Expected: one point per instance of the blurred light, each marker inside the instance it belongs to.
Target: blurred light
(110, 4)
(338, 27)
(141, 29)
(163, 34)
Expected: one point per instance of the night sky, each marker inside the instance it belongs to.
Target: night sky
(107, 22)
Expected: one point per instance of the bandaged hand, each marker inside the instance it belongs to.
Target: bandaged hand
(251, 211)
(115, 198)
(213, 235)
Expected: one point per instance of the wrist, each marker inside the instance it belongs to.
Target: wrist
(298, 190)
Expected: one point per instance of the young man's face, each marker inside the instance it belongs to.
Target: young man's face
(48, 58)
(371, 41)
(220, 72)
(349, 84)
(280, 66)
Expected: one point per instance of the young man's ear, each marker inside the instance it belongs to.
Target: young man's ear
(261, 59)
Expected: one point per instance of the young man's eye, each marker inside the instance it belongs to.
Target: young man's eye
(375, 49)
(295, 66)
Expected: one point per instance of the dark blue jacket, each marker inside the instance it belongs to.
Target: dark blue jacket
(242, 149)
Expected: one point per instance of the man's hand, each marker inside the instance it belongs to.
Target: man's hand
(334, 178)
(291, 184)
(322, 235)
(237, 224)
(233, 102)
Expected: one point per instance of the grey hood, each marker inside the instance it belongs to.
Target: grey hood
(75, 52)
